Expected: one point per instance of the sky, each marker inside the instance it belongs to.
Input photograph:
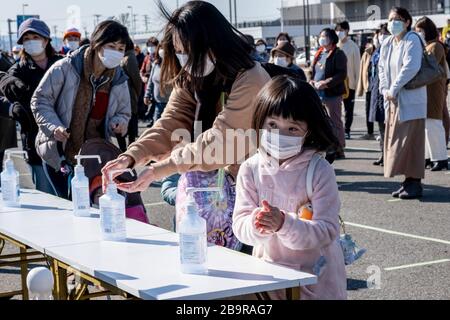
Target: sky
(55, 13)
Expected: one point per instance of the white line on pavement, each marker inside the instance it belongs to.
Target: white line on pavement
(417, 265)
(154, 204)
(363, 149)
(397, 233)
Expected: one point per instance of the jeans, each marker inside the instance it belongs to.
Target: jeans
(159, 109)
(41, 181)
(370, 125)
(58, 181)
(349, 105)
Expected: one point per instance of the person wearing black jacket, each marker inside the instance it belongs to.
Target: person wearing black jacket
(18, 85)
(329, 71)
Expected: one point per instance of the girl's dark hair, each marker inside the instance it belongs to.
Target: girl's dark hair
(110, 31)
(285, 34)
(344, 25)
(295, 99)
(203, 31)
(152, 41)
(49, 50)
(428, 26)
(331, 34)
(402, 12)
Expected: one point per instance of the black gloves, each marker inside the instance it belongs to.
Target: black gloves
(12, 88)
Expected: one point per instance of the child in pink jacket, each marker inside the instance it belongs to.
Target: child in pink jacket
(271, 189)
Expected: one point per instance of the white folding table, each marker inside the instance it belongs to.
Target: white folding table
(149, 268)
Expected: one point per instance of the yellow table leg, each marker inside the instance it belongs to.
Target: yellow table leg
(24, 272)
(293, 293)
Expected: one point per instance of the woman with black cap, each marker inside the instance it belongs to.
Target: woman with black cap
(19, 84)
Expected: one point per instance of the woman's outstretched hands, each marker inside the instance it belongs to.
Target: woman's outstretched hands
(269, 219)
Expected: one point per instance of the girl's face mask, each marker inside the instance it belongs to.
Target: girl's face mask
(281, 147)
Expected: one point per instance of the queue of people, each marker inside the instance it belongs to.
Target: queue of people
(203, 79)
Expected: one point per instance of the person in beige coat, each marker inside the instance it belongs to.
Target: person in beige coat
(435, 144)
(212, 61)
(363, 86)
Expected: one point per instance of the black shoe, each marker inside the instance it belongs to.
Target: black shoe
(397, 193)
(428, 163)
(348, 136)
(412, 190)
(440, 165)
(379, 162)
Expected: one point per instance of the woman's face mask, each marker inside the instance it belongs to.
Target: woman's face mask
(396, 27)
(34, 47)
(281, 61)
(324, 41)
(281, 147)
(261, 48)
(73, 45)
(209, 66)
(111, 58)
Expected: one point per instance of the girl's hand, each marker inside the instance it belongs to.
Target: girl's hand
(61, 134)
(141, 184)
(270, 219)
(121, 163)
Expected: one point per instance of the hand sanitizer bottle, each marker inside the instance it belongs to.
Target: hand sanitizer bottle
(80, 189)
(112, 211)
(10, 181)
(192, 230)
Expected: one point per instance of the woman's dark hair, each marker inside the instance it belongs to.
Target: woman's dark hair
(84, 42)
(283, 34)
(49, 50)
(110, 31)
(295, 99)
(158, 59)
(404, 14)
(152, 41)
(203, 31)
(384, 28)
(331, 34)
(428, 26)
(344, 25)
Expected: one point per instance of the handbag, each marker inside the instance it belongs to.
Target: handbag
(430, 71)
(216, 208)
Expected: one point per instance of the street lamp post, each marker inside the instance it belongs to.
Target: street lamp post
(24, 5)
(133, 31)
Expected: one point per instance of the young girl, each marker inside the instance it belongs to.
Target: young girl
(271, 189)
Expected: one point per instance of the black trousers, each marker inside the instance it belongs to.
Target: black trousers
(349, 105)
(370, 127)
(132, 133)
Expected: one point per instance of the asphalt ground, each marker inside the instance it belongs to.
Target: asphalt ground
(407, 242)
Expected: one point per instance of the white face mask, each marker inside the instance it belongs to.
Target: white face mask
(261, 48)
(341, 35)
(279, 146)
(161, 53)
(422, 35)
(209, 67)
(152, 49)
(73, 45)
(34, 47)
(111, 58)
(323, 42)
(396, 27)
(280, 61)
(381, 38)
(16, 56)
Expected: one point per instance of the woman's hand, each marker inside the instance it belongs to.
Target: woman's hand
(321, 85)
(61, 134)
(121, 163)
(116, 128)
(141, 184)
(270, 219)
(147, 101)
(389, 97)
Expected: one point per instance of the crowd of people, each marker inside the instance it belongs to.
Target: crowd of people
(203, 70)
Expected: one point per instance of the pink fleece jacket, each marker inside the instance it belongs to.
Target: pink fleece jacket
(299, 243)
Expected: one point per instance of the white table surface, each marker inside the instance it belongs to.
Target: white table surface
(40, 224)
(35, 200)
(149, 268)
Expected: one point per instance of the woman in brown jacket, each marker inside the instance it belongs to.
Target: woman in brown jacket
(435, 144)
(205, 57)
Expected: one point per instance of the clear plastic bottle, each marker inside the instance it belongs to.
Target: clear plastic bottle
(80, 189)
(112, 212)
(193, 241)
(10, 181)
